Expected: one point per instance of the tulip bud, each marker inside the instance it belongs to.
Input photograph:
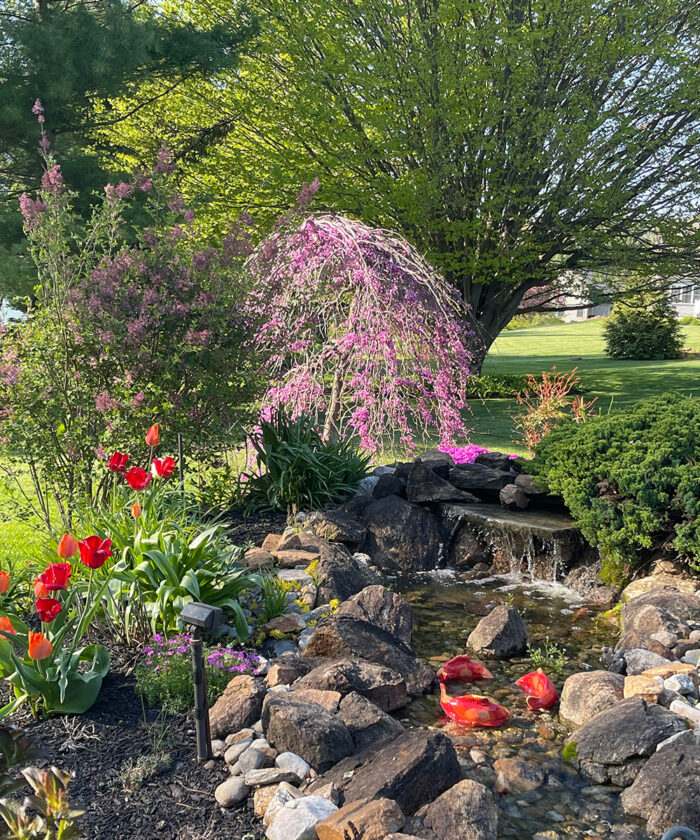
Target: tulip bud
(67, 547)
(136, 510)
(153, 435)
(4, 582)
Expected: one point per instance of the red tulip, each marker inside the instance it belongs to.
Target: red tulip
(94, 551)
(48, 609)
(153, 435)
(67, 547)
(117, 462)
(4, 582)
(162, 467)
(462, 668)
(473, 709)
(137, 478)
(55, 578)
(6, 626)
(540, 690)
(39, 646)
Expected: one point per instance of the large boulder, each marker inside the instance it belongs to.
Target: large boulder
(338, 574)
(381, 607)
(666, 609)
(341, 636)
(402, 536)
(587, 694)
(337, 526)
(478, 478)
(381, 685)
(238, 707)
(500, 634)
(467, 811)
(424, 485)
(367, 723)
(613, 746)
(308, 730)
(412, 769)
(667, 790)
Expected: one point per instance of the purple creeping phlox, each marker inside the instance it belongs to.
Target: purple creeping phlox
(465, 454)
(160, 654)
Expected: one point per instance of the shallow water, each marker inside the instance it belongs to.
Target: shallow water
(446, 608)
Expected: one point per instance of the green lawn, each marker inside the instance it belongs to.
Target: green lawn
(616, 384)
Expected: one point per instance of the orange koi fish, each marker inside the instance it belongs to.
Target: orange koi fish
(540, 690)
(462, 668)
(472, 709)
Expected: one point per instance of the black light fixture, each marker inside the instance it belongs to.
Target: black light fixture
(200, 617)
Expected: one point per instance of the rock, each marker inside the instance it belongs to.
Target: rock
(439, 462)
(299, 577)
(637, 661)
(500, 634)
(369, 820)
(241, 735)
(528, 484)
(424, 485)
(402, 536)
(236, 750)
(253, 759)
(662, 581)
(692, 656)
(339, 575)
(383, 686)
(669, 669)
(467, 811)
(270, 776)
(291, 558)
(514, 497)
(257, 558)
(687, 712)
(262, 798)
(289, 623)
(298, 818)
(389, 485)
(613, 745)
(366, 486)
(307, 730)
(281, 673)
(283, 793)
(477, 477)
(466, 549)
(680, 683)
(239, 706)
(685, 737)
(586, 694)
(367, 723)
(218, 748)
(336, 526)
(341, 636)
(495, 461)
(412, 769)
(385, 609)
(665, 609)
(231, 792)
(517, 775)
(663, 637)
(294, 764)
(667, 790)
(650, 688)
(329, 700)
(272, 541)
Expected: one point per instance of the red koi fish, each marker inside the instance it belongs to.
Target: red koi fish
(540, 690)
(472, 709)
(462, 668)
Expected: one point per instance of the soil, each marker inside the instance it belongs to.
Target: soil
(253, 528)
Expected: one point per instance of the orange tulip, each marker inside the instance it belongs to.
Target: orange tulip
(67, 547)
(463, 668)
(41, 590)
(39, 646)
(153, 436)
(136, 510)
(4, 582)
(473, 709)
(540, 690)
(6, 626)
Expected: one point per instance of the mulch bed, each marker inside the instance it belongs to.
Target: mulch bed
(176, 803)
(242, 528)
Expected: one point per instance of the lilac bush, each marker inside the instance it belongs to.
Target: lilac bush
(359, 331)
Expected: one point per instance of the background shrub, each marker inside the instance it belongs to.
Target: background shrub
(651, 332)
(631, 480)
(533, 319)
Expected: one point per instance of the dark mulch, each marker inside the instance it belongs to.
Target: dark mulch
(98, 746)
(253, 527)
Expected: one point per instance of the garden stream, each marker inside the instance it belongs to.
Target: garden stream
(447, 606)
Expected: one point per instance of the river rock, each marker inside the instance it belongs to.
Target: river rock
(378, 605)
(613, 745)
(238, 707)
(231, 792)
(264, 776)
(423, 485)
(367, 723)
(253, 759)
(402, 536)
(341, 636)
(339, 575)
(477, 477)
(294, 764)
(500, 634)
(638, 660)
(467, 811)
(383, 686)
(667, 790)
(308, 730)
(337, 526)
(412, 769)
(687, 712)
(586, 694)
(298, 818)
(513, 497)
(369, 820)
(236, 750)
(516, 775)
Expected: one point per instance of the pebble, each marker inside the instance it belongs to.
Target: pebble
(218, 748)
(478, 756)
(293, 763)
(231, 792)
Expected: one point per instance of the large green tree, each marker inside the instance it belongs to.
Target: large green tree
(511, 140)
(76, 56)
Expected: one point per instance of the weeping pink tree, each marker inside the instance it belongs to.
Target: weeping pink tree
(360, 332)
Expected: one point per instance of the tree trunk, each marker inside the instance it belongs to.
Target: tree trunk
(492, 306)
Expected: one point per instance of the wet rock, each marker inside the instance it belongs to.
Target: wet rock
(368, 820)
(649, 688)
(586, 581)
(613, 745)
(500, 634)
(467, 811)
(477, 477)
(402, 536)
(517, 775)
(383, 608)
(339, 575)
(307, 730)
(238, 707)
(389, 485)
(336, 526)
(466, 549)
(298, 818)
(341, 636)
(513, 497)
(424, 485)
(367, 723)
(586, 694)
(666, 792)
(639, 660)
(231, 792)
(383, 686)
(412, 769)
